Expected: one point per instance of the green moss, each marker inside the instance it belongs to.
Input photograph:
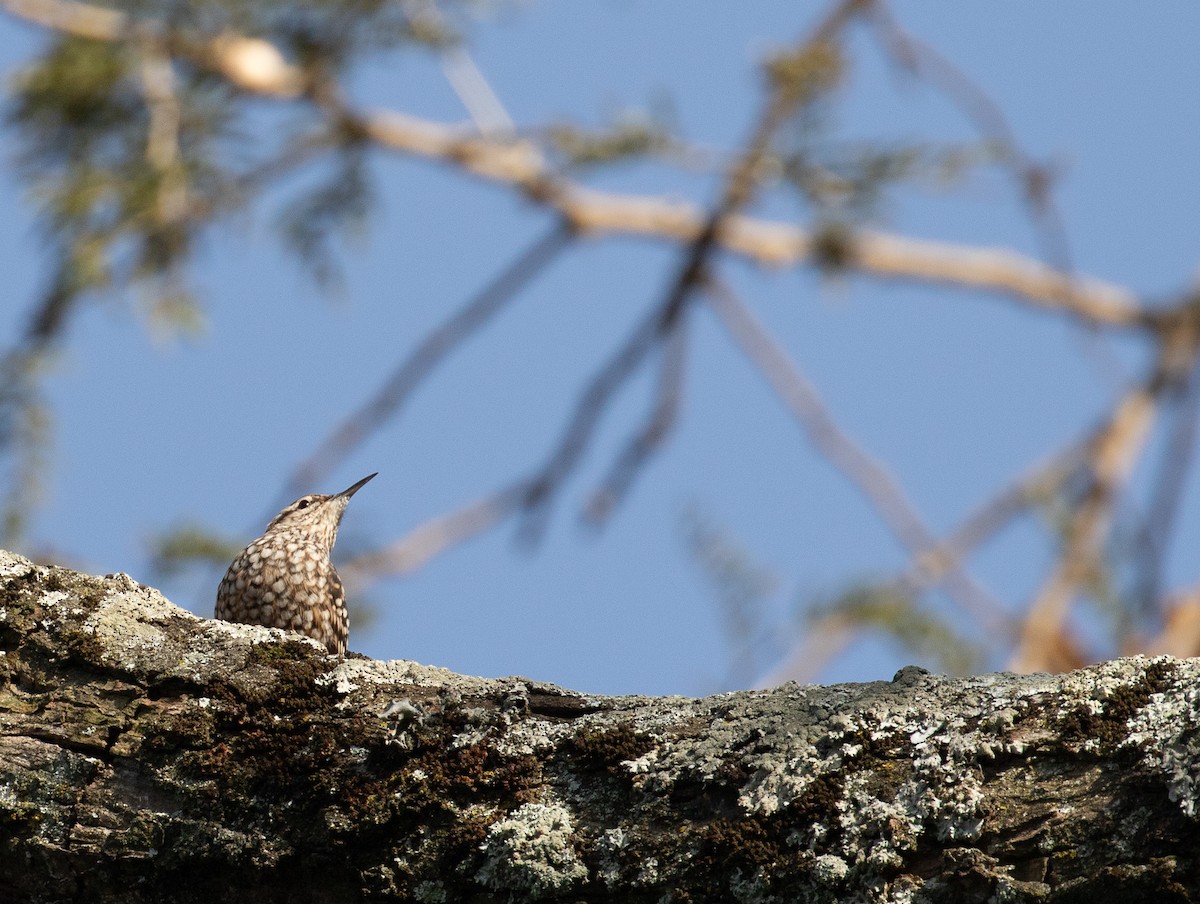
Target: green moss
(19, 818)
(285, 651)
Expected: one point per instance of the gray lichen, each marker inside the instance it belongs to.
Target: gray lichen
(148, 754)
(531, 851)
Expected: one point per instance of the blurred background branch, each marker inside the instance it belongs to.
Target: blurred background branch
(141, 132)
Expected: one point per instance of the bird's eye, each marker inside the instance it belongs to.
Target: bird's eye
(303, 503)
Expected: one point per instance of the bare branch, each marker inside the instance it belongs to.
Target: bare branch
(83, 20)
(738, 190)
(254, 65)
(822, 642)
(435, 347)
(1180, 635)
(582, 424)
(1112, 453)
(1157, 528)
(647, 440)
(435, 536)
(864, 472)
(485, 108)
(1034, 179)
(932, 564)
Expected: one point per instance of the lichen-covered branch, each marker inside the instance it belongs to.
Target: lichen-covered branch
(146, 754)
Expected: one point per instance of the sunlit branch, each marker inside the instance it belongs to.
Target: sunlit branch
(1111, 454)
(739, 189)
(1034, 179)
(255, 65)
(435, 536)
(1166, 494)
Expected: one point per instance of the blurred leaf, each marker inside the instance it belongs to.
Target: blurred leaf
(804, 75)
(884, 608)
(849, 182)
(742, 587)
(630, 135)
(338, 207)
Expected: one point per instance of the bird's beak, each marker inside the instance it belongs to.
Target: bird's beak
(350, 491)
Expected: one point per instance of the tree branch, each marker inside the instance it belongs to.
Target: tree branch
(257, 66)
(149, 755)
(867, 475)
(433, 349)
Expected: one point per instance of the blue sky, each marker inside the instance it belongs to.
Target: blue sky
(956, 392)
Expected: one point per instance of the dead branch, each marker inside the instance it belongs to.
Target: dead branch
(433, 349)
(650, 436)
(435, 536)
(867, 475)
(1034, 179)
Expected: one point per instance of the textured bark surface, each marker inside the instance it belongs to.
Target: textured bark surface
(149, 755)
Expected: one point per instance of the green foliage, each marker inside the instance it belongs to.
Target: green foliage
(112, 214)
(801, 76)
(849, 182)
(188, 545)
(630, 134)
(339, 205)
(892, 611)
(742, 587)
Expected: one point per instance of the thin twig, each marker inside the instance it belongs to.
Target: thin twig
(651, 435)
(433, 349)
(820, 644)
(869, 476)
(578, 433)
(1034, 179)
(435, 536)
(932, 564)
(483, 105)
(738, 190)
(1167, 492)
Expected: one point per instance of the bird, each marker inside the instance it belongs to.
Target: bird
(285, 578)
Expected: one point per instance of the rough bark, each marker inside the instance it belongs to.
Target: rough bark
(150, 755)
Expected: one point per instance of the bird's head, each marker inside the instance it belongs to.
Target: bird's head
(316, 515)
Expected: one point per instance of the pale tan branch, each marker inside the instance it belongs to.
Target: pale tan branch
(483, 105)
(83, 20)
(1114, 449)
(1166, 495)
(255, 65)
(1180, 635)
(1034, 179)
(822, 642)
(931, 565)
